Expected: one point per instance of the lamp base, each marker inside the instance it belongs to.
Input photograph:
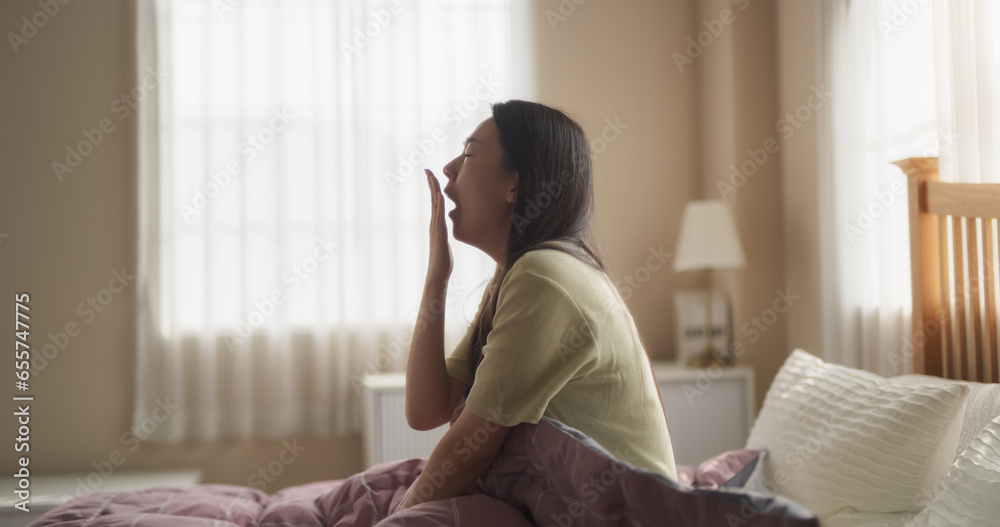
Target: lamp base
(711, 357)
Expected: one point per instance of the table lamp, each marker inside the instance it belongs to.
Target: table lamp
(708, 241)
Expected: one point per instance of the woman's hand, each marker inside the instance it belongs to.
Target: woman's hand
(410, 498)
(450, 472)
(440, 262)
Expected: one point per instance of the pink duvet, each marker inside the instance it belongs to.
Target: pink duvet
(545, 474)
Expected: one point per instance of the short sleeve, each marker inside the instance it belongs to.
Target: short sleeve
(539, 342)
(457, 363)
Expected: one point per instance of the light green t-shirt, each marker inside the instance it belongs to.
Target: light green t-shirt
(564, 345)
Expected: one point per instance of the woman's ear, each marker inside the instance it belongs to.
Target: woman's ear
(512, 189)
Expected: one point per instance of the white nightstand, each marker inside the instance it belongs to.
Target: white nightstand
(385, 434)
(47, 491)
(708, 411)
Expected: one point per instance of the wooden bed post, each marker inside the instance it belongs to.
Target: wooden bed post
(925, 269)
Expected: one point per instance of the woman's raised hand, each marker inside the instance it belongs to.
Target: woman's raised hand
(440, 262)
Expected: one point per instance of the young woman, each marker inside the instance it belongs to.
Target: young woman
(553, 336)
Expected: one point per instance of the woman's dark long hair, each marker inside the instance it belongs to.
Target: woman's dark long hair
(555, 196)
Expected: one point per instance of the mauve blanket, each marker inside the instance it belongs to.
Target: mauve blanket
(545, 474)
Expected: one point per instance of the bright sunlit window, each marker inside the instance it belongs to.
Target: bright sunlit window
(284, 211)
(294, 136)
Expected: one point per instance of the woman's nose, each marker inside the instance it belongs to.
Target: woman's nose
(449, 171)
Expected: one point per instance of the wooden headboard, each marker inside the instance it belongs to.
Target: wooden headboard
(953, 259)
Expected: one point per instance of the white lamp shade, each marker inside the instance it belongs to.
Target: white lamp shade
(708, 238)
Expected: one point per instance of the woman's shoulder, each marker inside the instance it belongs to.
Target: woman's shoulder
(550, 260)
(559, 268)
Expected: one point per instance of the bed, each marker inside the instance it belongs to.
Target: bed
(921, 449)
(831, 446)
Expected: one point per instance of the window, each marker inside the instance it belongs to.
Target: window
(908, 79)
(288, 246)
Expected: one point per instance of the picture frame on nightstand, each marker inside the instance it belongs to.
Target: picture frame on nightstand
(690, 310)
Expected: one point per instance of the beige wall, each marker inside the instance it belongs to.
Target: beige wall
(738, 112)
(607, 60)
(800, 194)
(64, 240)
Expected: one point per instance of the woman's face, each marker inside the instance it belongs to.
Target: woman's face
(482, 191)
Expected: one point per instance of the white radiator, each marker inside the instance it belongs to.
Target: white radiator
(386, 435)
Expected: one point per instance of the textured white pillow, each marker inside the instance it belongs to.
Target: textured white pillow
(843, 439)
(946, 450)
(981, 408)
(970, 494)
(982, 405)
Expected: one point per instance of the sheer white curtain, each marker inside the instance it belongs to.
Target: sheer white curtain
(967, 42)
(881, 75)
(908, 78)
(283, 208)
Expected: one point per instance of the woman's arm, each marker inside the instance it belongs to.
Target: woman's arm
(428, 386)
(462, 455)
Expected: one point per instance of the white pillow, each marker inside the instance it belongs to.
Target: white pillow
(970, 494)
(981, 406)
(848, 440)
(946, 450)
